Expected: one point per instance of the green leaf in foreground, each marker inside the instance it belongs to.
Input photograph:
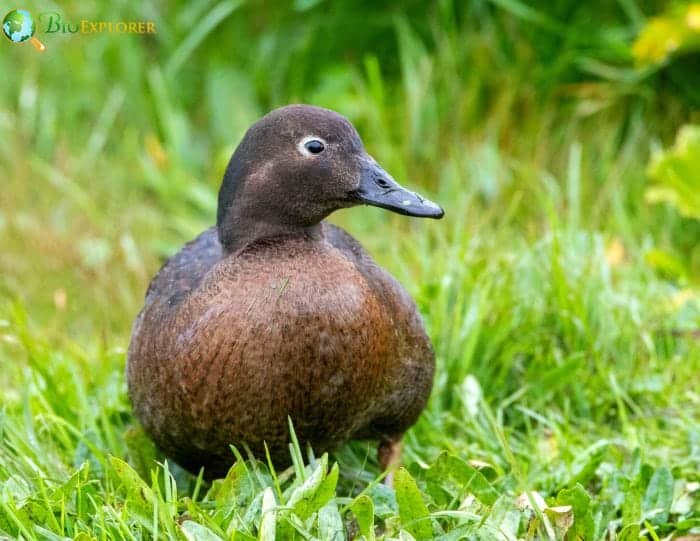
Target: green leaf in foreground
(140, 495)
(450, 473)
(363, 509)
(316, 491)
(412, 509)
(196, 532)
(330, 523)
(268, 521)
(658, 496)
(631, 509)
(580, 502)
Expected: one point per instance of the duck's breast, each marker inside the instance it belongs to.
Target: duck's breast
(294, 329)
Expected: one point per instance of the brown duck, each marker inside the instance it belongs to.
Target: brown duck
(275, 313)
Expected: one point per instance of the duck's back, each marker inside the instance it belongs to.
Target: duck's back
(184, 271)
(226, 348)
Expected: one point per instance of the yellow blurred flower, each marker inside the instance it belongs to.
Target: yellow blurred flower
(692, 17)
(657, 41)
(615, 252)
(667, 34)
(155, 150)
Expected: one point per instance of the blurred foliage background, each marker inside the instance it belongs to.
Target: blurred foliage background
(102, 129)
(561, 290)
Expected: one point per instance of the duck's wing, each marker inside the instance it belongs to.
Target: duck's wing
(345, 242)
(184, 271)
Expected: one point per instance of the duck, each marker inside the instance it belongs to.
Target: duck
(275, 316)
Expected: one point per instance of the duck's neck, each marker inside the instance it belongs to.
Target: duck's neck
(244, 217)
(241, 229)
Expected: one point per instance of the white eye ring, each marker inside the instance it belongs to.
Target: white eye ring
(302, 144)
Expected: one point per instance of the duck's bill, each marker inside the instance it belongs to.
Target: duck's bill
(379, 189)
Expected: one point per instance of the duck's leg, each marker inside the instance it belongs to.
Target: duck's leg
(389, 455)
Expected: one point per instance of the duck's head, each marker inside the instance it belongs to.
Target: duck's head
(295, 166)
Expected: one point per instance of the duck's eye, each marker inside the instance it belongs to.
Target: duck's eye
(314, 146)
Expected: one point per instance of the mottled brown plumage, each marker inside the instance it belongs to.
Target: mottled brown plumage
(275, 313)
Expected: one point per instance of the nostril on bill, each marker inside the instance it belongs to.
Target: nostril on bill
(382, 183)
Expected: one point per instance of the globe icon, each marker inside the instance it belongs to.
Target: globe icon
(19, 26)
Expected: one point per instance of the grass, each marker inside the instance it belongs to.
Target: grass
(566, 402)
